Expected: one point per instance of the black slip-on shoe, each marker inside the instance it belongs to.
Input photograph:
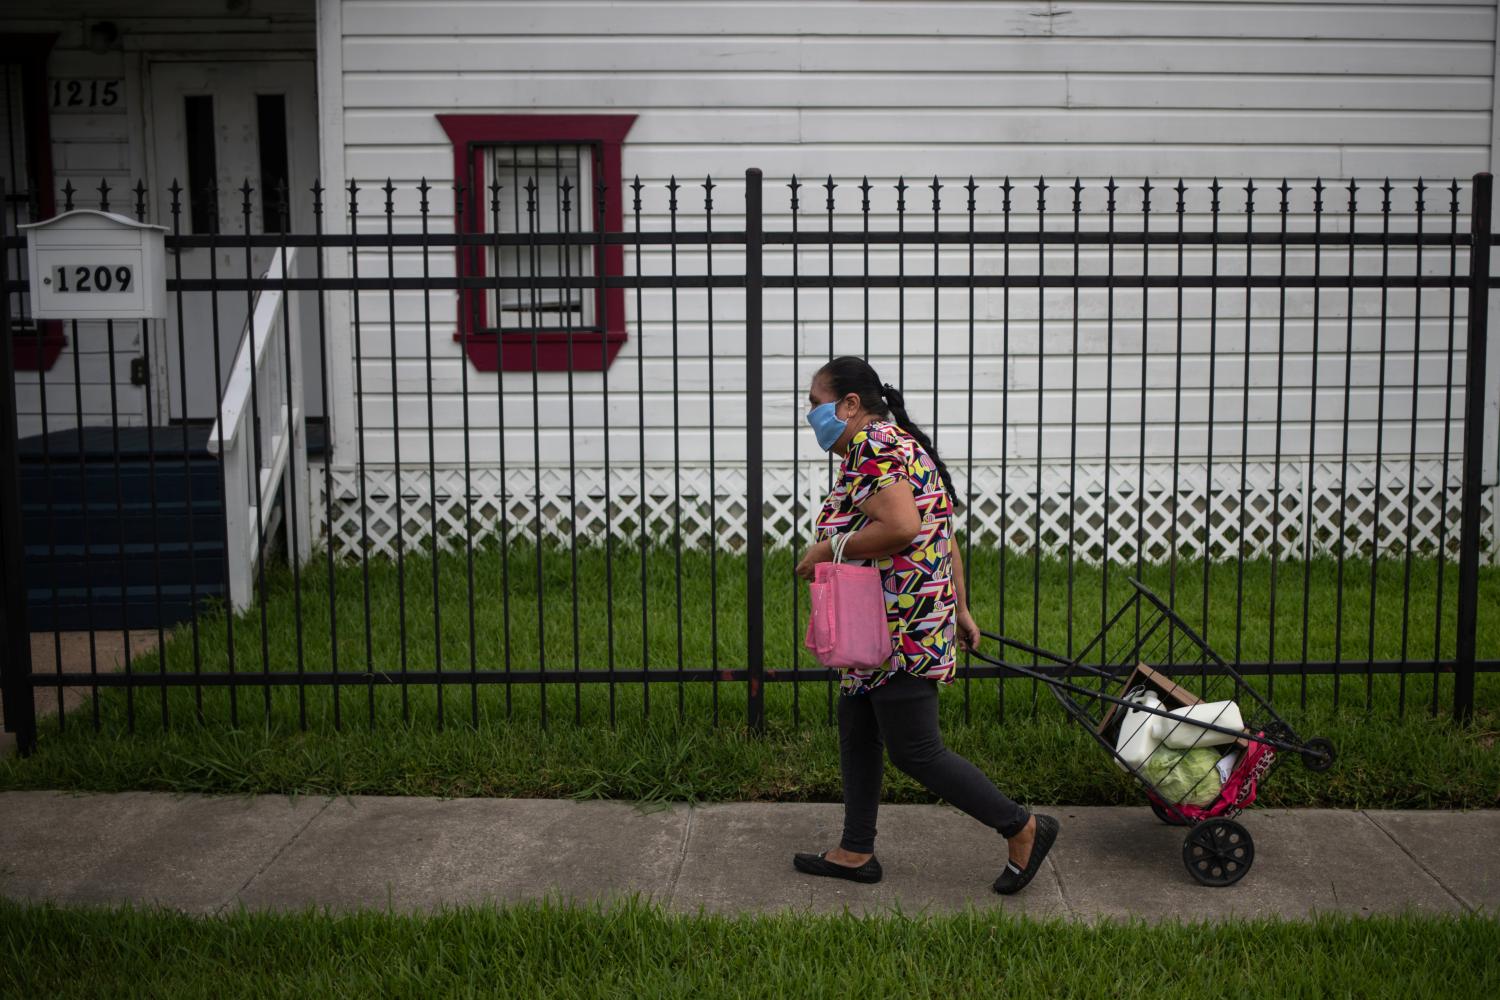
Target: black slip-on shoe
(1014, 879)
(816, 864)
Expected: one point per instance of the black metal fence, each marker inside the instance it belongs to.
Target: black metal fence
(1085, 457)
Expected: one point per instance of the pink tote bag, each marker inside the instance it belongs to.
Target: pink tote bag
(847, 628)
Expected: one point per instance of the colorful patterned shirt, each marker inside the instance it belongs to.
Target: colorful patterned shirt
(920, 602)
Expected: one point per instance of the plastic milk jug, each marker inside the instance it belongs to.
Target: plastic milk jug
(1139, 731)
(1183, 736)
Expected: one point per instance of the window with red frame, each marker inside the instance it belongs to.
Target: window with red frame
(524, 174)
(26, 168)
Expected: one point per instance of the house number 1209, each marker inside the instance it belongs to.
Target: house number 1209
(82, 278)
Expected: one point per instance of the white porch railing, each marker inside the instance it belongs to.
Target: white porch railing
(260, 436)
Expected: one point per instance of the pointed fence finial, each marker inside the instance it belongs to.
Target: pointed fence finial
(176, 210)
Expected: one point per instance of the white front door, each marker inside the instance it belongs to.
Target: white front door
(226, 124)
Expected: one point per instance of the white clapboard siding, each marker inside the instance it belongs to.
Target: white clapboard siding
(848, 91)
(1010, 363)
(990, 305)
(412, 379)
(1162, 405)
(1407, 19)
(990, 447)
(761, 54)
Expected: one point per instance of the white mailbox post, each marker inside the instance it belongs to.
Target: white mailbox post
(96, 265)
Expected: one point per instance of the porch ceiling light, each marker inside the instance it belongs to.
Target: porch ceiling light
(102, 36)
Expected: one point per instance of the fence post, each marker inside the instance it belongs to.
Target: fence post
(15, 635)
(1473, 465)
(755, 511)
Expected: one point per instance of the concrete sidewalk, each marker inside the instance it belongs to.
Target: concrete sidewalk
(210, 854)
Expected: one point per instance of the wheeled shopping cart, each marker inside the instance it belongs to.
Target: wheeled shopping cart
(1146, 655)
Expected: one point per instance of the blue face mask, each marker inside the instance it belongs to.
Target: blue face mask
(826, 425)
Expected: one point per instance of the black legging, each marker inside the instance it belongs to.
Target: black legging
(903, 714)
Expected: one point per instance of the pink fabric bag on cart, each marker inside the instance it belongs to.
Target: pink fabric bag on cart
(1238, 792)
(847, 628)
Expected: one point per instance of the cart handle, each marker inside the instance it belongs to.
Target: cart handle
(1057, 658)
(1100, 695)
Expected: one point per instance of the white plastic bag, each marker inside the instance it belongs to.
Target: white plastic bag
(1226, 765)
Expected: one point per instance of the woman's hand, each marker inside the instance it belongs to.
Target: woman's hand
(968, 632)
(816, 553)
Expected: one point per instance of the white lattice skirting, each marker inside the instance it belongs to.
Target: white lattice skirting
(1109, 513)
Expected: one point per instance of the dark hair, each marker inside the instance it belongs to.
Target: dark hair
(849, 374)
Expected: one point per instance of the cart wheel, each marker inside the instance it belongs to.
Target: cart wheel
(1165, 816)
(1218, 852)
(1318, 754)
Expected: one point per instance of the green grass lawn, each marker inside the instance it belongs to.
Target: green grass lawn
(669, 740)
(637, 950)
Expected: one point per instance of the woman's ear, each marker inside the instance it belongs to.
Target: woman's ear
(852, 399)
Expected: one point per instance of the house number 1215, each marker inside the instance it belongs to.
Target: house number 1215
(85, 94)
(82, 278)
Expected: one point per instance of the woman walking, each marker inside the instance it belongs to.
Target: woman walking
(893, 498)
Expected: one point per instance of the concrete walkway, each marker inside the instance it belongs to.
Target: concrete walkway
(210, 854)
(77, 653)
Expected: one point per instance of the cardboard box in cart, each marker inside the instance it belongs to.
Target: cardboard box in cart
(1172, 694)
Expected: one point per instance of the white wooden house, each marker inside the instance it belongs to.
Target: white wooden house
(368, 90)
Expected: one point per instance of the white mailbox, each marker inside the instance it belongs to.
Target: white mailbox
(96, 265)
